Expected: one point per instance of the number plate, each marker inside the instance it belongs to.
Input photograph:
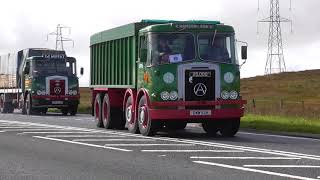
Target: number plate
(57, 102)
(200, 112)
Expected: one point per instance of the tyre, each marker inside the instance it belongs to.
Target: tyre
(73, 110)
(211, 127)
(64, 111)
(230, 127)
(106, 112)
(176, 125)
(131, 121)
(28, 105)
(97, 111)
(147, 127)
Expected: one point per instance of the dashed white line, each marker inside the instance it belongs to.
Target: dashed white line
(148, 144)
(261, 158)
(101, 140)
(254, 170)
(80, 143)
(282, 166)
(83, 136)
(2, 131)
(191, 150)
(318, 177)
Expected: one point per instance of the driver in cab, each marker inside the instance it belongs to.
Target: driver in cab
(164, 51)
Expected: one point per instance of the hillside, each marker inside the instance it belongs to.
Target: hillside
(292, 86)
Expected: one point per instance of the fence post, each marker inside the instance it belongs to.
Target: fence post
(281, 104)
(253, 103)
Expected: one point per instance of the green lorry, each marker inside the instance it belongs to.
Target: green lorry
(158, 74)
(36, 79)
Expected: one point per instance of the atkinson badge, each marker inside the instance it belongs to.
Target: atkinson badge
(200, 89)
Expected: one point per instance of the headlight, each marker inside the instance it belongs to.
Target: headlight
(165, 95)
(41, 92)
(225, 95)
(228, 77)
(73, 92)
(173, 95)
(233, 95)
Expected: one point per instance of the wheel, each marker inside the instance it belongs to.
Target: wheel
(44, 111)
(2, 110)
(64, 111)
(106, 112)
(73, 110)
(131, 121)
(97, 111)
(211, 127)
(176, 125)
(28, 105)
(230, 127)
(147, 127)
(10, 108)
(117, 118)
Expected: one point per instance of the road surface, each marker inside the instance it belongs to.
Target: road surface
(66, 147)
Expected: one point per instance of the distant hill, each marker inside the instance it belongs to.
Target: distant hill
(290, 86)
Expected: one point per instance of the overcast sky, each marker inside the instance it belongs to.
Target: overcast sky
(25, 24)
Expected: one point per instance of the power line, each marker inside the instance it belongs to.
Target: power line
(275, 58)
(59, 36)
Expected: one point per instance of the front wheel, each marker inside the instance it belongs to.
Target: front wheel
(73, 110)
(147, 127)
(230, 127)
(211, 127)
(131, 121)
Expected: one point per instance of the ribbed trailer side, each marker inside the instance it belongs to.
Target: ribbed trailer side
(9, 64)
(113, 56)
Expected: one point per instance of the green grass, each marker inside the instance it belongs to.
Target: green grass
(281, 124)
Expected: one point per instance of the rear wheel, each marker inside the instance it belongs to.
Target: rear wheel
(97, 111)
(211, 127)
(147, 126)
(131, 121)
(230, 127)
(106, 112)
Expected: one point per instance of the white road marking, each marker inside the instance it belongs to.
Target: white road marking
(83, 136)
(2, 131)
(194, 142)
(19, 127)
(254, 170)
(261, 158)
(64, 118)
(101, 140)
(282, 166)
(148, 145)
(186, 151)
(40, 129)
(80, 143)
(279, 136)
(57, 132)
(318, 177)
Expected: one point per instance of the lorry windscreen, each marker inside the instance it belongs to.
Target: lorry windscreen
(217, 47)
(167, 48)
(51, 66)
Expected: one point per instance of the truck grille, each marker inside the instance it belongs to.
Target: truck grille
(199, 85)
(57, 87)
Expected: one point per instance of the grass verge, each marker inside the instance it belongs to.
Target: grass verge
(281, 124)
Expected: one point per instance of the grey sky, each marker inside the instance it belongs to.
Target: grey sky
(25, 24)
